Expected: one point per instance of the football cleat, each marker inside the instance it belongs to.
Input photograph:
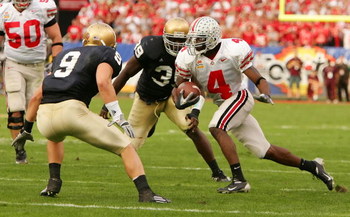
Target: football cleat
(149, 196)
(52, 188)
(21, 156)
(220, 177)
(235, 187)
(321, 173)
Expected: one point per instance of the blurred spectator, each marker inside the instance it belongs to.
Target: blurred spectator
(74, 31)
(294, 66)
(342, 71)
(313, 84)
(330, 81)
(147, 16)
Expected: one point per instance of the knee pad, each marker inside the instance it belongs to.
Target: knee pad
(17, 121)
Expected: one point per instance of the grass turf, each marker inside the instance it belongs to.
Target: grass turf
(95, 184)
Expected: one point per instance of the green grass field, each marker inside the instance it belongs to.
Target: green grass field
(95, 184)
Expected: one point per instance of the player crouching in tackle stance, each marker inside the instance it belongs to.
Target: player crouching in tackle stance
(217, 66)
(155, 56)
(62, 103)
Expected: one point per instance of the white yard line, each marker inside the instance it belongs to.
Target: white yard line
(166, 209)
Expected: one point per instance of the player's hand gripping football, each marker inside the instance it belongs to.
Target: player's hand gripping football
(264, 98)
(21, 139)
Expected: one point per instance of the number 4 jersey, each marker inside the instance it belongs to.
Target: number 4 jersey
(25, 39)
(222, 76)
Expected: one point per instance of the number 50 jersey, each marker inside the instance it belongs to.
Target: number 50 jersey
(25, 40)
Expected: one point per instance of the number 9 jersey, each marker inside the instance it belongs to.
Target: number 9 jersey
(25, 40)
(222, 76)
(74, 73)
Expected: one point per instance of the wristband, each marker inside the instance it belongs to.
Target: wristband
(200, 103)
(258, 81)
(113, 108)
(57, 44)
(194, 114)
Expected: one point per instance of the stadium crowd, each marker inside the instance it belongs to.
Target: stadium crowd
(255, 21)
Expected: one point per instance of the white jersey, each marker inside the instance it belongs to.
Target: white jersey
(25, 38)
(222, 76)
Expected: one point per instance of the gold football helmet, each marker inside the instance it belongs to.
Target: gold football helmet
(174, 35)
(99, 34)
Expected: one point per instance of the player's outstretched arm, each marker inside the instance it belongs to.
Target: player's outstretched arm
(25, 133)
(107, 93)
(261, 83)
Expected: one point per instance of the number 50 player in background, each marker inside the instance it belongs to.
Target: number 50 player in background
(24, 25)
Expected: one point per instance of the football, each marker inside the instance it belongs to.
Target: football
(186, 94)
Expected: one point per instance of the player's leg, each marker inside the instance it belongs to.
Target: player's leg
(16, 104)
(134, 169)
(46, 123)
(230, 115)
(87, 126)
(260, 147)
(199, 139)
(315, 167)
(55, 153)
(142, 117)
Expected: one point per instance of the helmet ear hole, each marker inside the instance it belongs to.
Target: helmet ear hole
(99, 34)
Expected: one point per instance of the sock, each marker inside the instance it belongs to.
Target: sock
(28, 126)
(55, 170)
(141, 183)
(237, 172)
(214, 167)
(307, 165)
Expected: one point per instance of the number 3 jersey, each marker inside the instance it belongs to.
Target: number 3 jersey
(221, 76)
(158, 76)
(74, 73)
(25, 39)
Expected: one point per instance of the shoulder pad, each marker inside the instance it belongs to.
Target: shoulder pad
(47, 6)
(152, 46)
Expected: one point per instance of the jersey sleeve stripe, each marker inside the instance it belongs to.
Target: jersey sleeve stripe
(247, 57)
(246, 63)
(51, 10)
(180, 69)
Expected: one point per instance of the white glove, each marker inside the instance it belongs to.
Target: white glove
(118, 118)
(21, 139)
(264, 98)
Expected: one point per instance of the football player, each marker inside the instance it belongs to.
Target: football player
(155, 55)
(217, 66)
(24, 25)
(78, 74)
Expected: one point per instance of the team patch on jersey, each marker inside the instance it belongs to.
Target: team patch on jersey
(6, 15)
(199, 64)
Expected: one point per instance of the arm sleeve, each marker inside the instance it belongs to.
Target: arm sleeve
(246, 56)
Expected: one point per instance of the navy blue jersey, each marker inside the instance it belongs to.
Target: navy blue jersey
(74, 73)
(158, 76)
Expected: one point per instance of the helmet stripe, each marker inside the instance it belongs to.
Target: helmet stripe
(195, 23)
